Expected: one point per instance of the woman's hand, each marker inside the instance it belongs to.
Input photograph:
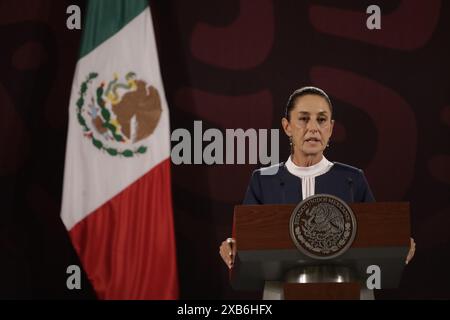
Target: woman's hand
(412, 250)
(228, 251)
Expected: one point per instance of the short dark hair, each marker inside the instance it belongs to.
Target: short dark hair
(303, 92)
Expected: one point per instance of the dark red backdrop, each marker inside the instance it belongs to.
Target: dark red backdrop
(232, 64)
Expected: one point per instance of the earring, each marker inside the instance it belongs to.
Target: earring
(291, 143)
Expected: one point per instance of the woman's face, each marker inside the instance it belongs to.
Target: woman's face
(310, 125)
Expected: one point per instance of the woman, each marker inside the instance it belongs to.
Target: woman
(308, 124)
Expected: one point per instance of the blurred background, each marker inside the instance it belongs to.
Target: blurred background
(233, 64)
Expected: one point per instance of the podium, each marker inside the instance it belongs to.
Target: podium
(265, 252)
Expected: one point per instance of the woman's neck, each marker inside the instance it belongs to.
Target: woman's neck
(303, 160)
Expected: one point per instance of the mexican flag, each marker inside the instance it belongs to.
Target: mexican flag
(117, 203)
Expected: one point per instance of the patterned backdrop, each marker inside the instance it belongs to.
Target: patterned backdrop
(232, 64)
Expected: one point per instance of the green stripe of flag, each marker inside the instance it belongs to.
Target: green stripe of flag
(104, 18)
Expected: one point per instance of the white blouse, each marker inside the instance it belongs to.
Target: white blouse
(308, 174)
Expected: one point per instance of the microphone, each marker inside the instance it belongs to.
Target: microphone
(350, 183)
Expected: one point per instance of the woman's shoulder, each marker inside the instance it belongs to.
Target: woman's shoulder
(270, 171)
(346, 168)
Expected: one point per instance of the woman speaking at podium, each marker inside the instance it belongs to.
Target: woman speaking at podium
(308, 123)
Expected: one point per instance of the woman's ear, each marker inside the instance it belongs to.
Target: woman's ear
(332, 127)
(286, 126)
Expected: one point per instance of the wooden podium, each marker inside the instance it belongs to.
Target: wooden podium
(265, 251)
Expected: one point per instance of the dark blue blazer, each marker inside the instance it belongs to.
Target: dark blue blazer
(343, 181)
